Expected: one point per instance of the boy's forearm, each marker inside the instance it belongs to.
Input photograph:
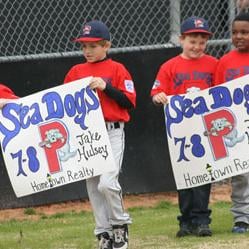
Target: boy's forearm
(118, 96)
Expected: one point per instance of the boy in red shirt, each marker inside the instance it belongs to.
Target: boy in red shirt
(117, 95)
(190, 71)
(5, 95)
(231, 66)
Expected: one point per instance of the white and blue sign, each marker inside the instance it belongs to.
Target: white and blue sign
(208, 133)
(54, 137)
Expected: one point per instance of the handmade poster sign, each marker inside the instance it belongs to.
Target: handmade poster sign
(208, 133)
(54, 137)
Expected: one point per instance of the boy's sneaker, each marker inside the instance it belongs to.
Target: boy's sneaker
(185, 230)
(202, 230)
(105, 242)
(120, 237)
(240, 227)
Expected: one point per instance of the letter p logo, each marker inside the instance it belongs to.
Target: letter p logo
(54, 136)
(218, 124)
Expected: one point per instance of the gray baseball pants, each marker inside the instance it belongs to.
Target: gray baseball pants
(240, 198)
(105, 192)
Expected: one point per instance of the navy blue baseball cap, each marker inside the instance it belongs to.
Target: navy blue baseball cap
(195, 25)
(93, 31)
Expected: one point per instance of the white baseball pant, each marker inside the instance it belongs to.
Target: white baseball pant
(240, 198)
(105, 193)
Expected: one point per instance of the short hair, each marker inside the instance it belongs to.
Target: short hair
(242, 16)
(203, 35)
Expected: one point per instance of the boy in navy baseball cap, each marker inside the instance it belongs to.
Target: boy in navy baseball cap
(195, 25)
(237, 61)
(94, 31)
(114, 86)
(191, 71)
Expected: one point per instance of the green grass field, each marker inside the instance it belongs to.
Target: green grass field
(152, 228)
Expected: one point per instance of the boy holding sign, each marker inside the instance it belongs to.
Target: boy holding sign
(231, 66)
(117, 95)
(190, 71)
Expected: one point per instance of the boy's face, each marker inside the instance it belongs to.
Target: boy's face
(240, 35)
(193, 45)
(95, 51)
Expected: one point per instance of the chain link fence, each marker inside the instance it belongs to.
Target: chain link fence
(45, 28)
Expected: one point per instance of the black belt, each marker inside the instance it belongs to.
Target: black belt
(112, 125)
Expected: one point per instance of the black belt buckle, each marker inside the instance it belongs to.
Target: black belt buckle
(113, 126)
(116, 125)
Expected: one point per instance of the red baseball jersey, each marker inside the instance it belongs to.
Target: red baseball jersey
(179, 75)
(113, 73)
(6, 93)
(231, 66)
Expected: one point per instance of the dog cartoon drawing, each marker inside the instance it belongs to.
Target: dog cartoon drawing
(52, 136)
(220, 124)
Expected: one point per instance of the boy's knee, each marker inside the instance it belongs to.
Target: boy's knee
(103, 186)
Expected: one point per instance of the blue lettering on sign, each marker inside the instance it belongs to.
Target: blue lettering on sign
(32, 160)
(177, 116)
(182, 142)
(246, 94)
(197, 149)
(10, 111)
(221, 97)
(54, 105)
(238, 96)
(23, 116)
(180, 106)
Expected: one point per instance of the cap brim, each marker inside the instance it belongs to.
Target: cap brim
(87, 39)
(197, 31)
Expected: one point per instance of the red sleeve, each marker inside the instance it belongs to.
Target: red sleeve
(126, 84)
(219, 74)
(162, 81)
(6, 93)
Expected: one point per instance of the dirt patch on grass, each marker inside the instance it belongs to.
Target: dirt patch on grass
(220, 192)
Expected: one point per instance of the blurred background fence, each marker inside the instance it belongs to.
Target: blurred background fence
(45, 28)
